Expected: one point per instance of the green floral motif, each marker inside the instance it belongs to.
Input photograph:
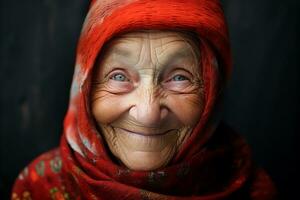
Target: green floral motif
(53, 190)
(40, 168)
(57, 194)
(56, 164)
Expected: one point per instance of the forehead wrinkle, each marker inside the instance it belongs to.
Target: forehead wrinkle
(158, 46)
(180, 44)
(147, 65)
(189, 48)
(144, 63)
(175, 55)
(117, 45)
(121, 53)
(157, 65)
(140, 56)
(192, 45)
(160, 43)
(153, 55)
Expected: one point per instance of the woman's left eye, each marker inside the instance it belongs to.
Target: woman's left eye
(179, 78)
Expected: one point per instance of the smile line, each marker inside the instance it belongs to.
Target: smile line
(147, 134)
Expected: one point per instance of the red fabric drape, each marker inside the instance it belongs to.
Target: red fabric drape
(215, 163)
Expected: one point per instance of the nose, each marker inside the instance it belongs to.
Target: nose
(148, 111)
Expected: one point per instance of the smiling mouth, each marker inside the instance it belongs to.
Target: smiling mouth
(149, 134)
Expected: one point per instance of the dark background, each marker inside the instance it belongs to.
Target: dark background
(38, 40)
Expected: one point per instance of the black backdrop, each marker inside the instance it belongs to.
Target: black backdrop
(37, 49)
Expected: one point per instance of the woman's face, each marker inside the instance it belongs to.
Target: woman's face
(147, 96)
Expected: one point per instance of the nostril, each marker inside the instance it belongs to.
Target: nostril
(163, 113)
(149, 115)
(133, 112)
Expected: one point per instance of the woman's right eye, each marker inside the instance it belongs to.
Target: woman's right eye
(119, 82)
(119, 77)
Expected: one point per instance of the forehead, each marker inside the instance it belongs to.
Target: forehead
(162, 42)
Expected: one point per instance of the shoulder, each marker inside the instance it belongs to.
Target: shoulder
(41, 179)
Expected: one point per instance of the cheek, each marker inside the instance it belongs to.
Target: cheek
(187, 107)
(108, 107)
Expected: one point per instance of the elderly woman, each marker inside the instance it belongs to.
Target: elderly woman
(143, 117)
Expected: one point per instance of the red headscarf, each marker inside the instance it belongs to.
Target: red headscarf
(213, 164)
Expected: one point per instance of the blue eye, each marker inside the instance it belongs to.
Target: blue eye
(179, 78)
(119, 77)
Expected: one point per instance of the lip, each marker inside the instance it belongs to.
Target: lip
(147, 133)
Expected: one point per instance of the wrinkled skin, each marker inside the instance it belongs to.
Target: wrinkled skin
(147, 96)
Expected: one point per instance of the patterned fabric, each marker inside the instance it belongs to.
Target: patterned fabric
(42, 179)
(215, 163)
